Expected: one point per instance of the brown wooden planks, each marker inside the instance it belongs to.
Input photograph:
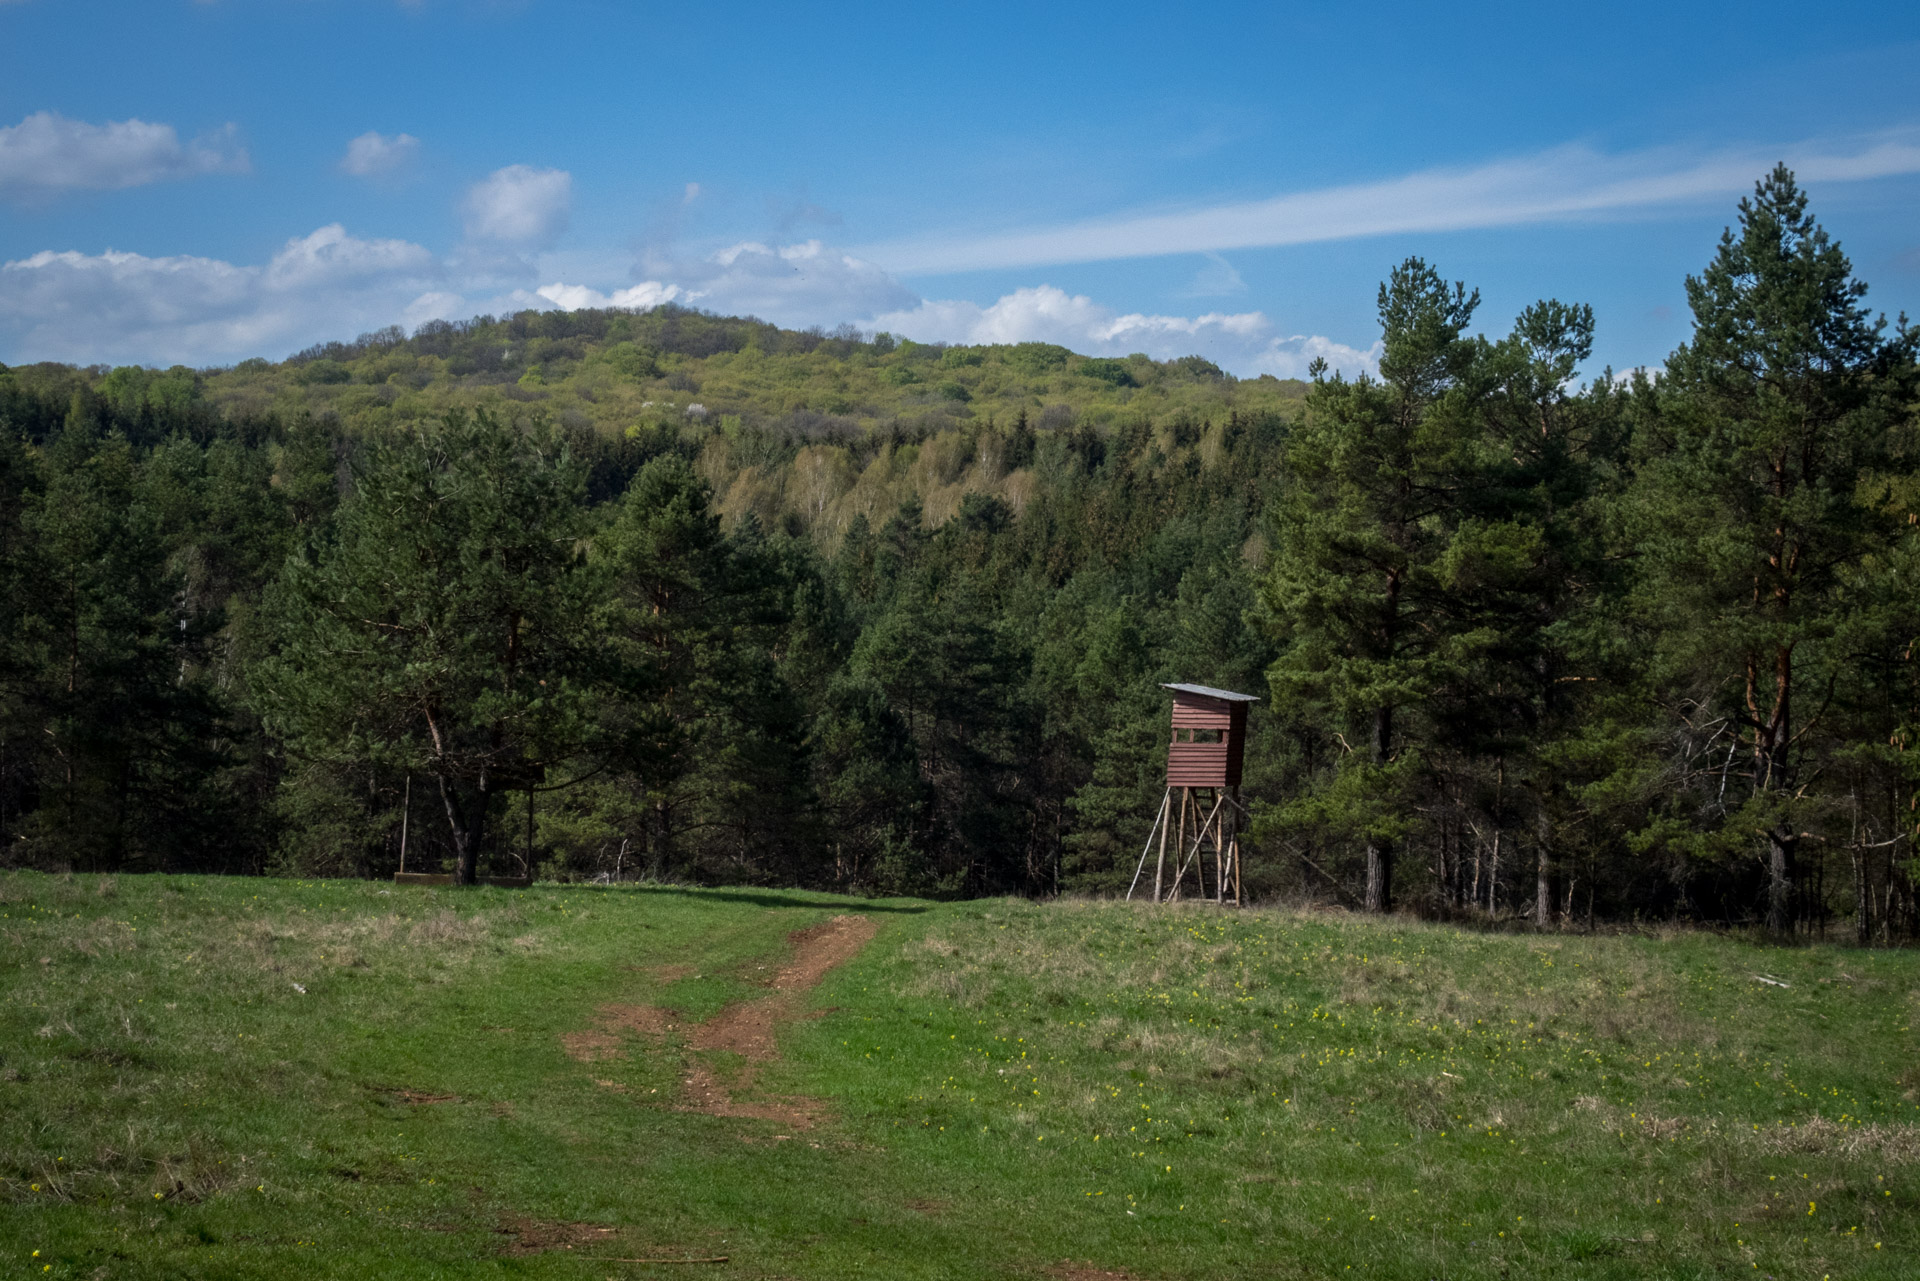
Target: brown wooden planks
(1193, 712)
(1197, 764)
(1207, 764)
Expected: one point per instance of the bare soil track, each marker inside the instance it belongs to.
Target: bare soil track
(748, 1029)
(534, 1236)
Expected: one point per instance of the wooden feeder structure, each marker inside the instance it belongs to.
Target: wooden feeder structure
(1202, 805)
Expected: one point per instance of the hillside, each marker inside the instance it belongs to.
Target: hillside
(210, 1077)
(615, 368)
(819, 400)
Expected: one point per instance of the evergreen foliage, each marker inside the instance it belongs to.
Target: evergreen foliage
(444, 627)
(1770, 457)
(606, 594)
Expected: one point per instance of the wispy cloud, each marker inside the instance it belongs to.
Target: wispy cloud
(1217, 279)
(373, 154)
(47, 154)
(1563, 183)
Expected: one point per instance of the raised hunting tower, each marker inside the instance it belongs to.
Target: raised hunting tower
(1202, 803)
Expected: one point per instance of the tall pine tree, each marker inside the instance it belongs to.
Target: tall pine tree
(1757, 494)
(444, 626)
(1352, 591)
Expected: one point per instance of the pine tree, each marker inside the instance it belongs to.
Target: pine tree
(1352, 592)
(124, 738)
(955, 681)
(1528, 575)
(714, 732)
(1759, 491)
(444, 626)
(19, 481)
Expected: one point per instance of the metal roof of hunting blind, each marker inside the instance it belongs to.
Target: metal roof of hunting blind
(1207, 691)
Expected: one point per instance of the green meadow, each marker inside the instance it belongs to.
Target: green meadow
(240, 1078)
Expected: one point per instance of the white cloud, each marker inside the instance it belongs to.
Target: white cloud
(46, 154)
(1293, 357)
(643, 296)
(520, 205)
(373, 154)
(128, 308)
(436, 304)
(809, 284)
(1563, 183)
(330, 257)
(1245, 343)
(797, 285)
(802, 284)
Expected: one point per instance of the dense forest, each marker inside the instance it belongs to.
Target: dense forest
(667, 594)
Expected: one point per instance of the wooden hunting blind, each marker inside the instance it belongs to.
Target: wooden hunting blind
(1202, 802)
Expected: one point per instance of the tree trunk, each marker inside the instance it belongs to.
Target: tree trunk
(1773, 740)
(1379, 875)
(1493, 873)
(1499, 830)
(466, 828)
(1862, 897)
(1379, 849)
(1780, 850)
(662, 836)
(1543, 872)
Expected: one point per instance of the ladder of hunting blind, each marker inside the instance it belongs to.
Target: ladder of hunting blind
(1203, 823)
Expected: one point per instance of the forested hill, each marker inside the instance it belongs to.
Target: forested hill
(695, 597)
(754, 397)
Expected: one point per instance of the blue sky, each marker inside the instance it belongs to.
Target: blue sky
(206, 181)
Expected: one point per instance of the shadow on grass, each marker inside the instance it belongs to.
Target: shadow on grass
(779, 898)
(761, 898)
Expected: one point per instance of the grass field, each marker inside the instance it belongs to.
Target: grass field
(212, 1078)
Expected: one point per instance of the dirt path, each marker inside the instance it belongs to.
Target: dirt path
(749, 1029)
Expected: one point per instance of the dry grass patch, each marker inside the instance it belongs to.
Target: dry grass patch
(448, 927)
(1895, 1144)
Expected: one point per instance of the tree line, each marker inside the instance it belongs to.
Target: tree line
(1638, 648)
